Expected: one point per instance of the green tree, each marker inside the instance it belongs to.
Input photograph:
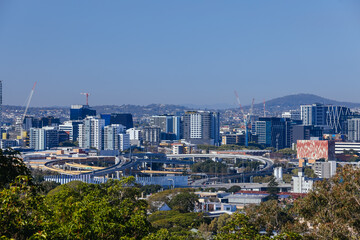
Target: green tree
(238, 227)
(262, 179)
(175, 222)
(149, 189)
(104, 211)
(22, 211)
(273, 189)
(218, 223)
(11, 166)
(333, 207)
(234, 189)
(209, 166)
(308, 172)
(46, 186)
(74, 211)
(287, 152)
(158, 199)
(184, 202)
(270, 216)
(162, 234)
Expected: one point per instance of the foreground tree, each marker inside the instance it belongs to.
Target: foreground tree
(273, 189)
(178, 224)
(22, 211)
(73, 211)
(239, 227)
(333, 207)
(184, 202)
(158, 199)
(270, 216)
(11, 166)
(104, 211)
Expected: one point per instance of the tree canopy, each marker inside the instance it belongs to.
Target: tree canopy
(74, 211)
(11, 166)
(333, 207)
(114, 210)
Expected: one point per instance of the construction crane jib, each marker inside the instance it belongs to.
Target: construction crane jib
(87, 97)
(245, 119)
(26, 109)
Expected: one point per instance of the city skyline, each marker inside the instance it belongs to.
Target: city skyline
(177, 53)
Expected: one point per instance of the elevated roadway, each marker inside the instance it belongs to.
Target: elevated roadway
(135, 161)
(268, 163)
(83, 166)
(123, 163)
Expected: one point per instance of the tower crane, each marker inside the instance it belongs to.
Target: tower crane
(87, 97)
(245, 118)
(26, 109)
(252, 107)
(264, 109)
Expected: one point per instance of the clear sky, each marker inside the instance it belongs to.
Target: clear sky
(150, 51)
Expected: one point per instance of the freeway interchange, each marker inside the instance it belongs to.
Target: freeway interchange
(135, 161)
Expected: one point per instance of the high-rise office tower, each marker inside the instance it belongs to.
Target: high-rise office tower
(151, 135)
(274, 132)
(44, 138)
(111, 136)
(263, 131)
(305, 132)
(292, 114)
(49, 121)
(334, 117)
(90, 133)
(202, 127)
(80, 112)
(71, 128)
(313, 114)
(124, 119)
(124, 141)
(354, 129)
(168, 124)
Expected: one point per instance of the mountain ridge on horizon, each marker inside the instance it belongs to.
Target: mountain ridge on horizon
(292, 101)
(295, 100)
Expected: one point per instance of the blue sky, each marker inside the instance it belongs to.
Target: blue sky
(199, 52)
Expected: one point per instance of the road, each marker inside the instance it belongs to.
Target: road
(137, 159)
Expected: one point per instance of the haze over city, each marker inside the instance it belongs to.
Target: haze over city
(176, 52)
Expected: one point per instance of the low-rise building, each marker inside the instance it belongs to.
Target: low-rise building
(243, 199)
(312, 150)
(340, 147)
(302, 184)
(325, 169)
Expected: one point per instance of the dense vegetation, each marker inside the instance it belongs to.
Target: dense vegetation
(209, 167)
(231, 147)
(114, 210)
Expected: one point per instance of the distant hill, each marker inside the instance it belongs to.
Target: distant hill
(138, 112)
(275, 107)
(216, 106)
(294, 101)
(152, 109)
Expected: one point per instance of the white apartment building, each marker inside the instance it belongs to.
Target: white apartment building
(90, 133)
